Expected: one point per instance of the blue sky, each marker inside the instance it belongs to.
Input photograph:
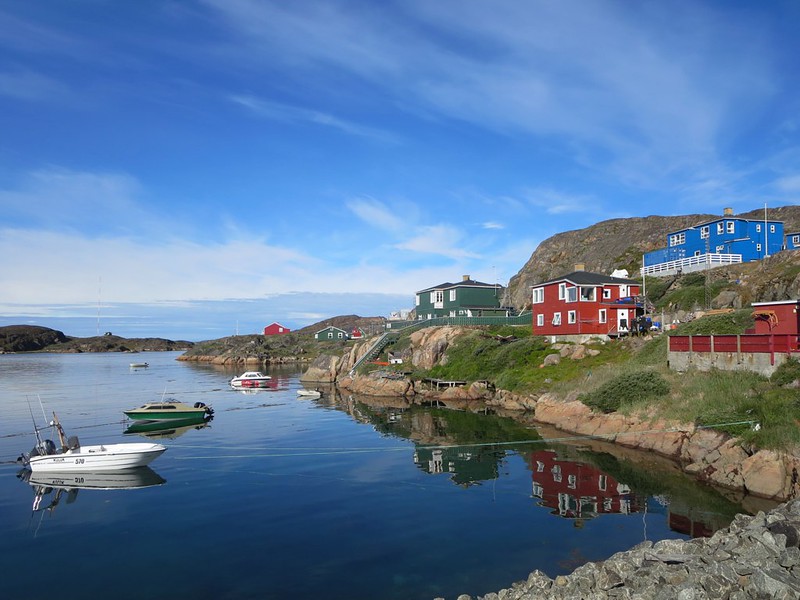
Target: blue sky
(193, 169)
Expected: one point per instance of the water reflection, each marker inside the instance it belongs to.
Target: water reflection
(575, 490)
(171, 429)
(574, 481)
(49, 488)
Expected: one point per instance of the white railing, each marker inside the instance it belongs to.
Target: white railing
(692, 263)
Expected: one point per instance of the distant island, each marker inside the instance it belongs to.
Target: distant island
(34, 338)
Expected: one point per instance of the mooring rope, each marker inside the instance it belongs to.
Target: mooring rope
(273, 452)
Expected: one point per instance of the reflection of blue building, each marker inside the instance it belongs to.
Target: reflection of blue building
(724, 241)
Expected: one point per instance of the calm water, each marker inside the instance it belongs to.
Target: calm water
(333, 498)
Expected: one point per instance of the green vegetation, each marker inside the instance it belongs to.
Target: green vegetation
(689, 292)
(515, 364)
(628, 388)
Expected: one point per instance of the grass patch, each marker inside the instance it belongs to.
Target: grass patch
(731, 323)
(516, 365)
(627, 388)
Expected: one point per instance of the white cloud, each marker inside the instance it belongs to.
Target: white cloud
(790, 184)
(441, 240)
(493, 225)
(377, 214)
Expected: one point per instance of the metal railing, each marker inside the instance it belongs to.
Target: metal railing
(700, 262)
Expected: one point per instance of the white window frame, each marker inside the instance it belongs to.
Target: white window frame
(540, 320)
(772, 228)
(592, 297)
(704, 232)
(452, 295)
(538, 295)
(730, 227)
(606, 293)
(562, 291)
(758, 227)
(602, 315)
(572, 317)
(418, 300)
(758, 247)
(557, 318)
(677, 239)
(572, 294)
(796, 239)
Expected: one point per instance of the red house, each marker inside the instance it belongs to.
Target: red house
(275, 329)
(583, 304)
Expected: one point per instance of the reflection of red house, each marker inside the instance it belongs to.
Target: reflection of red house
(576, 490)
(585, 304)
(275, 329)
(689, 526)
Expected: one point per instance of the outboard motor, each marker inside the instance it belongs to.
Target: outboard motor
(73, 443)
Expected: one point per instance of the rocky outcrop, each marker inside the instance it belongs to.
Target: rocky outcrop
(429, 345)
(379, 383)
(29, 338)
(323, 369)
(755, 557)
(709, 455)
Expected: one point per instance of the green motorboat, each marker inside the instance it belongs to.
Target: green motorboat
(169, 410)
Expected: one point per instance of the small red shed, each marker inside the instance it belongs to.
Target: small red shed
(275, 329)
(782, 317)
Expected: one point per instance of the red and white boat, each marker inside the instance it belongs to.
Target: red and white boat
(250, 379)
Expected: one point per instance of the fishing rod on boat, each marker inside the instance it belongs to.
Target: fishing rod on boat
(39, 442)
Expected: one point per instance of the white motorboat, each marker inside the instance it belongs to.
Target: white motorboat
(73, 457)
(139, 365)
(303, 393)
(251, 379)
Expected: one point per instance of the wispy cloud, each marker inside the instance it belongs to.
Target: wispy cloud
(556, 202)
(441, 240)
(283, 112)
(377, 214)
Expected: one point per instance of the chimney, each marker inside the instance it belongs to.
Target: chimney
(728, 212)
(580, 267)
(465, 278)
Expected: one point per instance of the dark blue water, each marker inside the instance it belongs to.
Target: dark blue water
(334, 498)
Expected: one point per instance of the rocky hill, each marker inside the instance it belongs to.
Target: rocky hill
(614, 244)
(32, 338)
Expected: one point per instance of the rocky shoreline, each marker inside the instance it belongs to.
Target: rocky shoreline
(755, 557)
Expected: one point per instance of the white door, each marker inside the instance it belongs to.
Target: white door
(622, 320)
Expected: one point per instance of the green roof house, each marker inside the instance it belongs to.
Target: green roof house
(467, 298)
(331, 333)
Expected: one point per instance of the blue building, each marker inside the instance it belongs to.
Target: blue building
(724, 241)
(793, 241)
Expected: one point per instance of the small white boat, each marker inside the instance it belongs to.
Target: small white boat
(139, 365)
(250, 379)
(72, 457)
(303, 393)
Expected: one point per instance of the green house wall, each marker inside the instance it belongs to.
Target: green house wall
(479, 300)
